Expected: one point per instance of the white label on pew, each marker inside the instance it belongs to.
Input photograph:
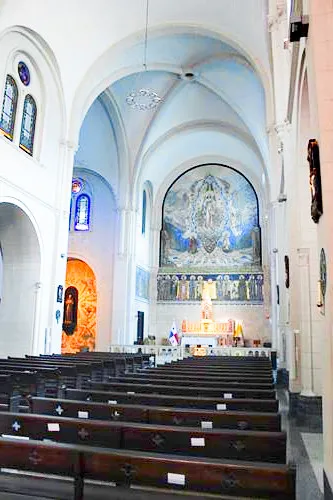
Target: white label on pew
(197, 441)
(221, 406)
(206, 425)
(112, 402)
(53, 427)
(227, 395)
(14, 436)
(176, 478)
(130, 392)
(83, 414)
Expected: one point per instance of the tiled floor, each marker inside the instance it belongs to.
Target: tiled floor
(305, 449)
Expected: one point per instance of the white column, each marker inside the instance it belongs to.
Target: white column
(123, 315)
(306, 323)
(63, 196)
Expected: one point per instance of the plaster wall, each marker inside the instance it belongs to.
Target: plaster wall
(96, 248)
(254, 323)
(321, 84)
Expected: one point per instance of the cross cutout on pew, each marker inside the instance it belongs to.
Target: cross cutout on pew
(229, 482)
(35, 458)
(16, 426)
(177, 420)
(239, 446)
(128, 471)
(158, 440)
(83, 433)
(115, 415)
(242, 424)
(59, 410)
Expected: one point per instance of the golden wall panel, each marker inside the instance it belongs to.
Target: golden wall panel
(81, 276)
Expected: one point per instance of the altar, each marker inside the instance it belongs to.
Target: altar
(208, 340)
(210, 332)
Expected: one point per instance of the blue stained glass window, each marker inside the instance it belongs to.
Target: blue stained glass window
(28, 125)
(82, 213)
(24, 73)
(9, 105)
(144, 212)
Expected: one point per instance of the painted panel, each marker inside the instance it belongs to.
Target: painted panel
(142, 283)
(81, 276)
(247, 288)
(210, 220)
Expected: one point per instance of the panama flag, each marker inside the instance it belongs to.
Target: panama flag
(173, 335)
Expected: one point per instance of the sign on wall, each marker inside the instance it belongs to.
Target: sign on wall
(142, 283)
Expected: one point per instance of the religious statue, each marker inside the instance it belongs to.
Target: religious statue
(70, 310)
(315, 180)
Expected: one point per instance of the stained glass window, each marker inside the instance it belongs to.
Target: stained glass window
(144, 212)
(28, 125)
(76, 186)
(9, 104)
(24, 73)
(82, 213)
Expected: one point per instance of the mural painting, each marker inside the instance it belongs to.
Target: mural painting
(210, 219)
(80, 303)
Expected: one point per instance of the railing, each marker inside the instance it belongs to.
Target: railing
(167, 354)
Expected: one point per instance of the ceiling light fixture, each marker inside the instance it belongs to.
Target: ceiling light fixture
(144, 99)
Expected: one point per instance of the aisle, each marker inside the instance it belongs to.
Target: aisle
(305, 449)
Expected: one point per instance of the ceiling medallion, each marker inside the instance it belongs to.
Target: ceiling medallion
(143, 99)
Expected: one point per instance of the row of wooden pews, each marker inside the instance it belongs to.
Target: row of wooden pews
(209, 425)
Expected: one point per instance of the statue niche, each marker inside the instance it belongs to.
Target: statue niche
(70, 310)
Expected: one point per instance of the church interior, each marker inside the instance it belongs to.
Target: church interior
(165, 249)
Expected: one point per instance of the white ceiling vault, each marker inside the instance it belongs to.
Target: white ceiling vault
(221, 115)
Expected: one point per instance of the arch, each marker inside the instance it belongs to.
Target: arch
(21, 256)
(82, 309)
(220, 217)
(9, 106)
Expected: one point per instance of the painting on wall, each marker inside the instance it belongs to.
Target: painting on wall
(142, 283)
(79, 308)
(210, 219)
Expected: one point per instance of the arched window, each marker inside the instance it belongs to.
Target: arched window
(28, 125)
(9, 105)
(144, 212)
(82, 213)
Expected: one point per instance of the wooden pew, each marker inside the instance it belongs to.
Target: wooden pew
(213, 443)
(190, 382)
(9, 393)
(210, 373)
(238, 478)
(158, 415)
(178, 389)
(262, 405)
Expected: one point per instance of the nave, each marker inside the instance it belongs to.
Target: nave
(214, 433)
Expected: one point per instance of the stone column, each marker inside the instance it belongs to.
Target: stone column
(306, 334)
